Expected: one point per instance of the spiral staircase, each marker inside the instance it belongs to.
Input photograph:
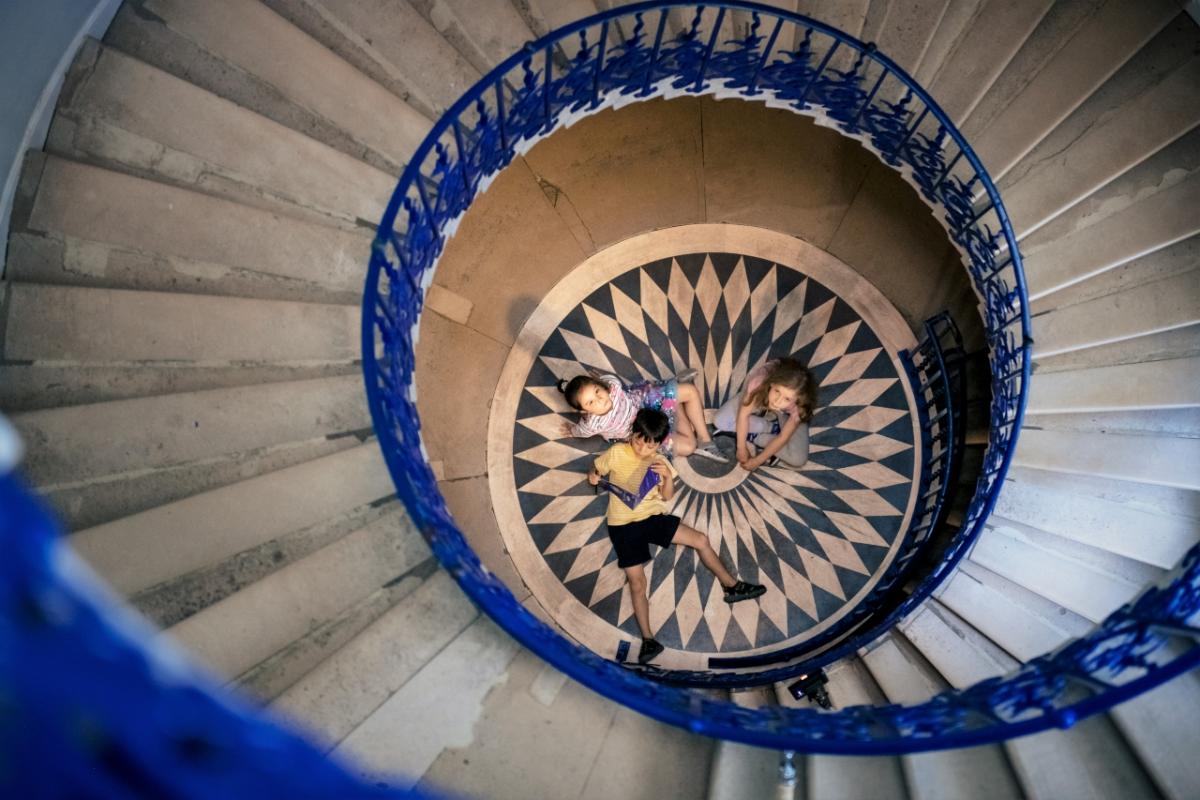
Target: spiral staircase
(181, 356)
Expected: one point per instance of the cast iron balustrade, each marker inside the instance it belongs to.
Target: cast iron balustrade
(90, 704)
(670, 49)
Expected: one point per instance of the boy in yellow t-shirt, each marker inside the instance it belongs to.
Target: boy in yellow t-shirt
(642, 482)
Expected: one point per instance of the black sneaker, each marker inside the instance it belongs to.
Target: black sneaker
(744, 591)
(650, 649)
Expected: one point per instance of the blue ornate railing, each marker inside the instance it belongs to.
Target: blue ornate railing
(94, 704)
(658, 49)
(89, 707)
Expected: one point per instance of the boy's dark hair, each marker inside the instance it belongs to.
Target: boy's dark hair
(651, 424)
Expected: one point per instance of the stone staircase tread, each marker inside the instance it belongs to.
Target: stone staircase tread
(1148, 224)
(1162, 536)
(972, 772)
(1161, 460)
(1163, 737)
(1155, 307)
(1077, 158)
(247, 627)
(130, 232)
(89, 325)
(1091, 582)
(137, 552)
(1094, 51)
(399, 49)
(83, 443)
(114, 110)
(994, 36)
(483, 39)
(253, 38)
(38, 387)
(1163, 262)
(1151, 385)
(345, 689)
(269, 679)
(1022, 622)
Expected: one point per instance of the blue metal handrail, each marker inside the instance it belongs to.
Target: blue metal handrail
(628, 54)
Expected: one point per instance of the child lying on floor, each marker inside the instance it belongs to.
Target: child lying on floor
(637, 517)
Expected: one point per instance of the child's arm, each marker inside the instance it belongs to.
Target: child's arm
(775, 445)
(742, 431)
(599, 468)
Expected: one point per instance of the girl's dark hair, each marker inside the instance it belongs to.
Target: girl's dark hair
(651, 424)
(573, 387)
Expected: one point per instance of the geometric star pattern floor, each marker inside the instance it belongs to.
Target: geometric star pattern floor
(818, 537)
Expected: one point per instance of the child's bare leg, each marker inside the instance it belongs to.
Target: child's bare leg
(690, 537)
(637, 593)
(685, 443)
(690, 419)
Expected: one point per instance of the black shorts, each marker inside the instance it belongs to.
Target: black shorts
(632, 541)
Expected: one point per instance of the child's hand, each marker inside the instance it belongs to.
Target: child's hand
(661, 469)
(743, 454)
(566, 430)
(751, 464)
(593, 477)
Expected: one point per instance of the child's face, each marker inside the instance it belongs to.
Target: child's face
(594, 400)
(643, 448)
(780, 397)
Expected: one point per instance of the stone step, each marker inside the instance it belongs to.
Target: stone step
(982, 772)
(172, 601)
(1089, 761)
(1084, 55)
(1151, 101)
(1182, 342)
(82, 444)
(1174, 422)
(92, 226)
(739, 770)
(345, 689)
(1151, 385)
(1163, 305)
(950, 29)
(1164, 262)
(1022, 622)
(275, 675)
(1087, 580)
(1160, 728)
(245, 52)
(1127, 521)
(991, 39)
(393, 44)
(447, 695)
(85, 325)
(35, 387)
(848, 16)
(1155, 215)
(247, 627)
(483, 37)
(1160, 460)
(849, 777)
(118, 110)
(142, 550)
(903, 29)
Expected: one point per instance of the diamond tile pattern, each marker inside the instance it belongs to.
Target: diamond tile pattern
(815, 537)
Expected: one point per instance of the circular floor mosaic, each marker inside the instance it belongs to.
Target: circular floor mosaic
(720, 300)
